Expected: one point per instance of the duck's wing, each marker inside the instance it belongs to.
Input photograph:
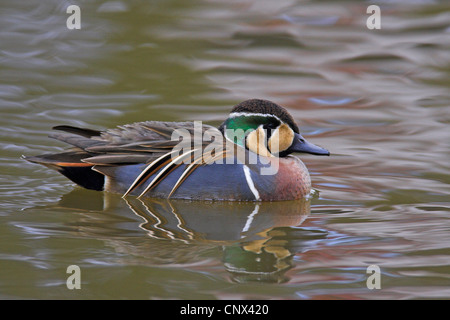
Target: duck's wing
(139, 142)
(161, 146)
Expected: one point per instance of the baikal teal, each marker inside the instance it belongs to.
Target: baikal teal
(142, 159)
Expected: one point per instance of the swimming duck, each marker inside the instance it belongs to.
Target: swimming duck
(247, 158)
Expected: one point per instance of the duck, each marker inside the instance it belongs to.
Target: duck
(249, 157)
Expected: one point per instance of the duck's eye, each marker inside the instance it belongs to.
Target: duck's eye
(270, 127)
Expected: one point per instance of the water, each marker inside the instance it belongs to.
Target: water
(378, 99)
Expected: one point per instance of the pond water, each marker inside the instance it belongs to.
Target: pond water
(377, 99)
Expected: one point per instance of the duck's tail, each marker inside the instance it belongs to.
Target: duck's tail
(70, 164)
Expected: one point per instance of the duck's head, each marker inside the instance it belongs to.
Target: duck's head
(266, 129)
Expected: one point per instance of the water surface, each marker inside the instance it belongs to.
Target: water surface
(377, 99)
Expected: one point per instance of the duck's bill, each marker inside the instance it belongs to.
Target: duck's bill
(301, 145)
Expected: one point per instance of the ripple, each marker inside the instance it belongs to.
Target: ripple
(332, 101)
(308, 20)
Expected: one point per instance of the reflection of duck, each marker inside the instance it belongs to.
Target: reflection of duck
(246, 158)
(256, 238)
(260, 260)
(255, 245)
(215, 221)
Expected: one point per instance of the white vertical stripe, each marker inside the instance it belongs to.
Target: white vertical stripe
(250, 183)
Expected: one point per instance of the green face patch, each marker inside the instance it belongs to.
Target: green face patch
(239, 126)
